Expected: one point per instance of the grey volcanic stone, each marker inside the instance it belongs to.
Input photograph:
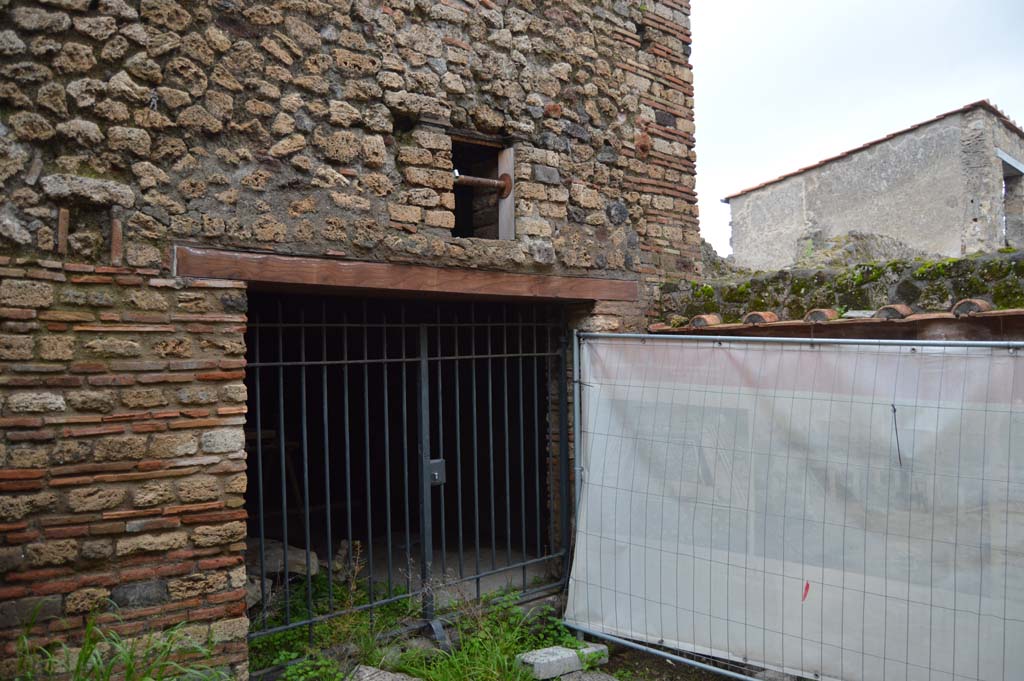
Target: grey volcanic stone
(86, 189)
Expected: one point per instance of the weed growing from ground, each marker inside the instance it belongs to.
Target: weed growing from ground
(105, 654)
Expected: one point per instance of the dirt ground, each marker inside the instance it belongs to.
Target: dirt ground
(626, 664)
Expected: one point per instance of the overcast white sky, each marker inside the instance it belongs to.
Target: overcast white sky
(780, 85)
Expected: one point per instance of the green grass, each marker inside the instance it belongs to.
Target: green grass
(362, 627)
(489, 640)
(105, 655)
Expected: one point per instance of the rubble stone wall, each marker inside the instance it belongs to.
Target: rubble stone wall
(296, 127)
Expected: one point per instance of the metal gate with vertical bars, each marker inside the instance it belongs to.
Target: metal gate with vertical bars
(418, 450)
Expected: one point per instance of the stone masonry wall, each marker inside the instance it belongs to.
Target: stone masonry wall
(321, 128)
(297, 127)
(122, 463)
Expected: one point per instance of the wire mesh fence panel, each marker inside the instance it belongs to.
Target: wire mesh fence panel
(829, 510)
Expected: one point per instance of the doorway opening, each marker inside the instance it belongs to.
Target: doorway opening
(406, 450)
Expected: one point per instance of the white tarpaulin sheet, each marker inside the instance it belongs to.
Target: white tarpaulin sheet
(850, 512)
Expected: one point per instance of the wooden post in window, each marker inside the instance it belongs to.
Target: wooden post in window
(507, 205)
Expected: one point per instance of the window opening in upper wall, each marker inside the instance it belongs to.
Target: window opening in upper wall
(484, 190)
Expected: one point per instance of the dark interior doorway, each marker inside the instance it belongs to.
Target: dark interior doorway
(344, 397)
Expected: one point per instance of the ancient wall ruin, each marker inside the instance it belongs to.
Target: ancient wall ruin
(294, 127)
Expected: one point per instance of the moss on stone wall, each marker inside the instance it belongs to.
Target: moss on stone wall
(922, 284)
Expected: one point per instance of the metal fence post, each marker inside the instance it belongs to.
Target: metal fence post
(426, 521)
(563, 448)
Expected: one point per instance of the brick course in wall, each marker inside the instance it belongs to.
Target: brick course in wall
(122, 462)
(297, 127)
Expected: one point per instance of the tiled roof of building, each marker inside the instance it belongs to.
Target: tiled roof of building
(974, 316)
(982, 104)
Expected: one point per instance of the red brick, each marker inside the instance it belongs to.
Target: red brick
(58, 586)
(101, 529)
(37, 575)
(88, 367)
(31, 435)
(124, 328)
(66, 316)
(128, 416)
(221, 516)
(152, 524)
(66, 532)
(222, 376)
(21, 422)
(194, 508)
(7, 527)
(112, 380)
(227, 596)
(73, 419)
(148, 427)
(106, 467)
(166, 378)
(192, 364)
(23, 537)
(148, 475)
(220, 562)
(20, 485)
(91, 279)
(195, 413)
(11, 592)
(64, 381)
(16, 313)
(194, 423)
(78, 519)
(138, 513)
(70, 482)
(98, 430)
(21, 474)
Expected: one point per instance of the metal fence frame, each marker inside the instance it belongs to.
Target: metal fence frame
(580, 338)
(427, 369)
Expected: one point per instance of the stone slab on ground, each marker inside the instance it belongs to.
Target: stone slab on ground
(588, 676)
(556, 661)
(363, 673)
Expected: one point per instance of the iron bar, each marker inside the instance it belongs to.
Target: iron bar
(305, 479)
(490, 450)
(426, 522)
(508, 465)
(458, 448)
(369, 463)
(659, 653)
(440, 442)
(502, 185)
(522, 447)
(553, 586)
(410, 360)
(538, 437)
(284, 471)
(350, 559)
(327, 464)
(476, 449)
(387, 456)
(563, 447)
(405, 459)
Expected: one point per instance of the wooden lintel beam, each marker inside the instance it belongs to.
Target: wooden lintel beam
(265, 268)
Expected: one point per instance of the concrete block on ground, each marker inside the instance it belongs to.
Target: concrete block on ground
(551, 663)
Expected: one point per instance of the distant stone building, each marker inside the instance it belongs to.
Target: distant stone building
(169, 169)
(949, 186)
